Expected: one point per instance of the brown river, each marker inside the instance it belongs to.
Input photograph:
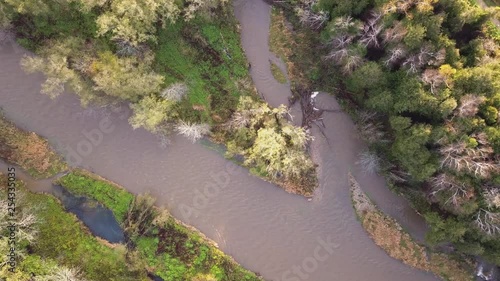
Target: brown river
(281, 236)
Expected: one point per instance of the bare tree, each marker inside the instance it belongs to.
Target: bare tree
(307, 16)
(394, 34)
(433, 78)
(337, 54)
(370, 130)
(492, 197)
(240, 119)
(481, 138)
(425, 54)
(488, 222)
(446, 183)
(341, 42)
(370, 36)
(344, 23)
(469, 105)
(371, 31)
(193, 131)
(26, 220)
(452, 155)
(140, 216)
(348, 58)
(438, 57)
(351, 62)
(175, 92)
(412, 64)
(62, 274)
(398, 175)
(483, 169)
(311, 19)
(477, 161)
(395, 54)
(403, 6)
(398, 6)
(369, 162)
(345, 29)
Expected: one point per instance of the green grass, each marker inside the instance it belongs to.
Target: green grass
(183, 254)
(62, 239)
(277, 73)
(207, 56)
(110, 195)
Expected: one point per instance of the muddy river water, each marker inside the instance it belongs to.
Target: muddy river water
(279, 235)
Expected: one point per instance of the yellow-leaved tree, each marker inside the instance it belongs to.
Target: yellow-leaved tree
(134, 20)
(151, 112)
(54, 62)
(127, 78)
(270, 144)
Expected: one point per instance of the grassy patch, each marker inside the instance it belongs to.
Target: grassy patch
(173, 251)
(109, 194)
(391, 237)
(280, 37)
(207, 56)
(295, 47)
(29, 151)
(277, 73)
(180, 253)
(63, 240)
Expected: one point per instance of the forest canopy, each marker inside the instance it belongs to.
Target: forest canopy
(424, 79)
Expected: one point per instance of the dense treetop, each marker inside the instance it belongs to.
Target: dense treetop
(425, 78)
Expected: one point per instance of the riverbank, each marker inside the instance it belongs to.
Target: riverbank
(170, 249)
(391, 237)
(29, 151)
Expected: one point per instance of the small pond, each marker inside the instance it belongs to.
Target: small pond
(100, 220)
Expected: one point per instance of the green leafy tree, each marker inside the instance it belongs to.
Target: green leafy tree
(127, 78)
(54, 62)
(409, 147)
(444, 230)
(415, 36)
(269, 143)
(151, 112)
(366, 79)
(134, 20)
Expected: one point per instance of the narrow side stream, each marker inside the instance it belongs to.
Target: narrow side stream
(99, 219)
